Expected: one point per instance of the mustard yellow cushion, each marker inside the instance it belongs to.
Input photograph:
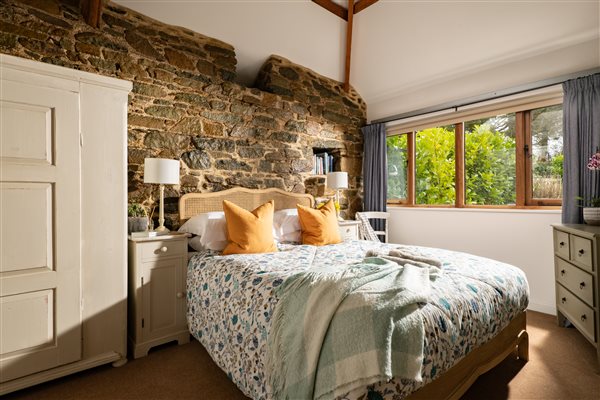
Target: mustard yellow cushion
(249, 232)
(319, 227)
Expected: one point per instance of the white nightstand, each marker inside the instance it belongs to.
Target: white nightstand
(157, 294)
(349, 230)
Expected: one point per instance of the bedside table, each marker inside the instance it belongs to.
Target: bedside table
(348, 230)
(157, 296)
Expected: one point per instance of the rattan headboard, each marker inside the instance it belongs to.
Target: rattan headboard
(192, 204)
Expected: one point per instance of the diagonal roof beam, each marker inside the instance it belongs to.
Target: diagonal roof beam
(348, 44)
(362, 4)
(92, 11)
(334, 8)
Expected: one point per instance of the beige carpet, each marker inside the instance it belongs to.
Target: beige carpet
(562, 365)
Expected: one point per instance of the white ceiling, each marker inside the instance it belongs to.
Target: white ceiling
(407, 54)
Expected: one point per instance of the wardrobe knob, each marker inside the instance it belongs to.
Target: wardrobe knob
(164, 249)
(581, 251)
(562, 272)
(562, 244)
(581, 285)
(583, 318)
(563, 300)
(179, 295)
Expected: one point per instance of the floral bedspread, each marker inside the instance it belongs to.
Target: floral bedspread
(231, 300)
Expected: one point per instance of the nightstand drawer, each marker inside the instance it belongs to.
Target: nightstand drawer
(577, 281)
(162, 249)
(581, 252)
(577, 312)
(561, 244)
(348, 230)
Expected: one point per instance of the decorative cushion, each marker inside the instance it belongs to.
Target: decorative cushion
(319, 227)
(249, 232)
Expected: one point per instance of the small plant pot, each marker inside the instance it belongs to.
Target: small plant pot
(137, 224)
(591, 215)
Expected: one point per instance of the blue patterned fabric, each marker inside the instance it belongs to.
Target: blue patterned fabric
(231, 300)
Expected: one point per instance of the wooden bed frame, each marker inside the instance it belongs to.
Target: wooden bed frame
(450, 385)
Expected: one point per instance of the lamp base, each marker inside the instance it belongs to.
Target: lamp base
(162, 229)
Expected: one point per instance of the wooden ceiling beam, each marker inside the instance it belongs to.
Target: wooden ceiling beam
(92, 11)
(334, 8)
(362, 4)
(348, 44)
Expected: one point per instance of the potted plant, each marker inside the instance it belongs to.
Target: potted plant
(137, 220)
(591, 208)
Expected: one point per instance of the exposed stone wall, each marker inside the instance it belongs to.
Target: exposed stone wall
(185, 104)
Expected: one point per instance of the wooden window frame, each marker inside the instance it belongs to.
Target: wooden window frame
(523, 164)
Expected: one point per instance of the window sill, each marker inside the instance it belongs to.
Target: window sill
(480, 209)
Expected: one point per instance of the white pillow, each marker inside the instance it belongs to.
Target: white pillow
(286, 226)
(211, 231)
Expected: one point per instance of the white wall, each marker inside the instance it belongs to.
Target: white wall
(519, 237)
(406, 55)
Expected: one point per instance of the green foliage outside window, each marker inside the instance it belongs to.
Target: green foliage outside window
(434, 163)
(489, 166)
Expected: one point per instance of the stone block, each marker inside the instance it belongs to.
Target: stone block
(142, 45)
(178, 59)
(197, 159)
(214, 144)
(233, 165)
(145, 121)
(188, 125)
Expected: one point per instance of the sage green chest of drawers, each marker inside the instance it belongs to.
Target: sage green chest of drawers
(576, 263)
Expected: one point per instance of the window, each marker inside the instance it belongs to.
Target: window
(546, 152)
(434, 163)
(397, 167)
(505, 159)
(490, 174)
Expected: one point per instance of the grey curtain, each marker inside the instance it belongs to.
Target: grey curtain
(581, 130)
(375, 171)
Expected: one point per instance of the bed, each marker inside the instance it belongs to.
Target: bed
(474, 319)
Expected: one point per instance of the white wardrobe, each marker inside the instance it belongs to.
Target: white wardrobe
(63, 197)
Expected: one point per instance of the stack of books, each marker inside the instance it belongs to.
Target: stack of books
(322, 163)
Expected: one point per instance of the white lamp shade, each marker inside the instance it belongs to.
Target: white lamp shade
(337, 180)
(161, 170)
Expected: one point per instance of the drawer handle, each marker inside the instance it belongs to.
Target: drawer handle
(563, 300)
(562, 244)
(583, 318)
(581, 251)
(164, 249)
(179, 295)
(582, 285)
(562, 272)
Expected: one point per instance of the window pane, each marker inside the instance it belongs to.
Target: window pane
(434, 164)
(397, 160)
(547, 152)
(490, 161)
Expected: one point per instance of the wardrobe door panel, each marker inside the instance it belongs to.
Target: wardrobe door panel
(40, 293)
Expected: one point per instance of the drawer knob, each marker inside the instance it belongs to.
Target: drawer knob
(583, 318)
(581, 251)
(581, 285)
(563, 300)
(179, 295)
(562, 272)
(164, 249)
(562, 244)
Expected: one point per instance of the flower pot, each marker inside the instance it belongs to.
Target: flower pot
(591, 215)
(137, 224)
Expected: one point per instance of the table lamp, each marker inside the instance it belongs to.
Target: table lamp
(337, 181)
(164, 172)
